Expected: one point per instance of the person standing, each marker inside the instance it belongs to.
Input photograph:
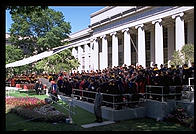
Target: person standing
(12, 83)
(53, 90)
(97, 105)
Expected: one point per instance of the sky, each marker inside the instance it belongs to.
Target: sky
(78, 16)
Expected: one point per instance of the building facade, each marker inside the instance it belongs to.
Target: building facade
(132, 35)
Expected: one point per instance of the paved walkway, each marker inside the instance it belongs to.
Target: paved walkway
(97, 124)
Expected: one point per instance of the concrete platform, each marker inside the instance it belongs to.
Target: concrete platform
(151, 108)
(97, 124)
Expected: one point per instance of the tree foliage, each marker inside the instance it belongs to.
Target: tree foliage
(14, 54)
(62, 61)
(188, 53)
(40, 30)
(184, 56)
(176, 58)
(25, 9)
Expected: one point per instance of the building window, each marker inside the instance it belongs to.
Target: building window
(119, 42)
(100, 45)
(165, 44)
(109, 53)
(120, 59)
(186, 32)
(83, 50)
(147, 40)
(120, 52)
(89, 47)
(83, 63)
(133, 51)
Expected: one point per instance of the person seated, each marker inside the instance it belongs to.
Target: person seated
(36, 87)
(40, 88)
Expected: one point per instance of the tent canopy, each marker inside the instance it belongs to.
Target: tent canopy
(37, 57)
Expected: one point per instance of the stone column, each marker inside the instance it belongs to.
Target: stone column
(127, 47)
(141, 45)
(74, 51)
(86, 47)
(179, 30)
(91, 55)
(159, 58)
(104, 59)
(170, 42)
(114, 49)
(80, 58)
(95, 53)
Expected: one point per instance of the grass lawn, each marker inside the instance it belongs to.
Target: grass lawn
(17, 123)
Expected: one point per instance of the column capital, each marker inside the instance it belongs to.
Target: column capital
(113, 33)
(92, 39)
(177, 15)
(125, 30)
(103, 36)
(155, 21)
(138, 26)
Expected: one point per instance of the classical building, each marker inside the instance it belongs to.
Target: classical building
(133, 35)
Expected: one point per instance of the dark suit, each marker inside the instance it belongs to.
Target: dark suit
(97, 106)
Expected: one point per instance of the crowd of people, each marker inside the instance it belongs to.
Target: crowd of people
(123, 80)
(117, 80)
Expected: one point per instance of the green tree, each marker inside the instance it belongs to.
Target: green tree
(62, 61)
(14, 54)
(184, 56)
(39, 30)
(176, 58)
(188, 53)
(25, 9)
(42, 29)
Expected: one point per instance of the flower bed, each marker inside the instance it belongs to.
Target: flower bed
(26, 102)
(34, 108)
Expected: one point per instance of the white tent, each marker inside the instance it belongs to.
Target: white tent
(37, 57)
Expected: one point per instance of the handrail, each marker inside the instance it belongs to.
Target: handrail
(113, 95)
(162, 94)
(190, 81)
(96, 92)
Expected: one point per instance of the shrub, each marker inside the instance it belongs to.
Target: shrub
(180, 116)
(45, 113)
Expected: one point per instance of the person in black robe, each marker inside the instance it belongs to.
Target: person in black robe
(60, 85)
(185, 74)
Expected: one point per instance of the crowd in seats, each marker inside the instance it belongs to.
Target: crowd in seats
(124, 80)
(120, 80)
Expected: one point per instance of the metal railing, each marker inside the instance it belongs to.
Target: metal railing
(190, 84)
(165, 91)
(122, 98)
(68, 103)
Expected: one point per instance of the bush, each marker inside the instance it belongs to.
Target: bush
(180, 116)
(46, 113)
